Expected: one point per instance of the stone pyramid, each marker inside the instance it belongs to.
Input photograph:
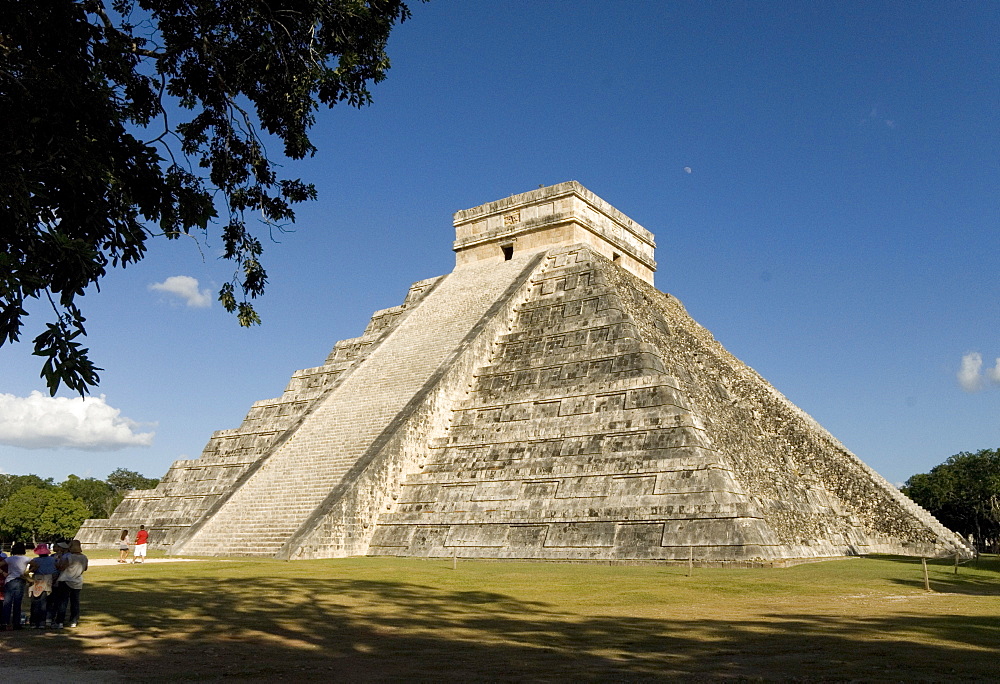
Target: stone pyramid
(541, 401)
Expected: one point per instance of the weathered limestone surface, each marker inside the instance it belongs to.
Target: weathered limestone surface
(279, 497)
(192, 487)
(542, 401)
(563, 214)
(609, 425)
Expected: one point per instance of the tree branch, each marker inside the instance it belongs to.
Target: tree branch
(109, 25)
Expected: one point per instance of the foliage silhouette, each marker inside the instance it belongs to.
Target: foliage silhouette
(129, 119)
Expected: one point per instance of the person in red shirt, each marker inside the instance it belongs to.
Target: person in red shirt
(141, 537)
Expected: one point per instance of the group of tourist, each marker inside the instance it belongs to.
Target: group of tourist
(53, 579)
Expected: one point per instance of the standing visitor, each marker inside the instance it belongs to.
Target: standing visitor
(123, 547)
(71, 567)
(59, 549)
(141, 537)
(43, 574)
(15, 565)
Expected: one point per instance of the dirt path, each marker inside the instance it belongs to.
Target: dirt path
(112, 561)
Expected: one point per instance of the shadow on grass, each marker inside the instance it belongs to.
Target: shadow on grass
(322, 629)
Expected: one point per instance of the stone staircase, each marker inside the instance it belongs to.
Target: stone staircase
(262, 514)
(607, 425)
(572, 444)
(193, 487)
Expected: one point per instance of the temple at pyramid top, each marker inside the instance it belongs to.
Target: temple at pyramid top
(558, 215)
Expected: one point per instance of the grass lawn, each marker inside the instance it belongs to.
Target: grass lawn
(419, 620)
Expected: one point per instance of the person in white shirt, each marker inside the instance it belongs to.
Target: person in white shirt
(13, 590)
(71, 567)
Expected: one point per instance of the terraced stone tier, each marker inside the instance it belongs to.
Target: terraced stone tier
(542, 401)
(608, 425)
(193, 486)
(266, 510)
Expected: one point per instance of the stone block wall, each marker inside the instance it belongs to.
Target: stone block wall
(574, 443)
(346, 521)
(818, 497)
(559, 215)
(267, 509)
(608, 425)
(550, 406)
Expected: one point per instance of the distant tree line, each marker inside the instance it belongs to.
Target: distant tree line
(964, 494)
(35, 509)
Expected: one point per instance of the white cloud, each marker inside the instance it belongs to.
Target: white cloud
(41, 422)
(186, 288)
(971, 376)
(993, 374)
(968, 375)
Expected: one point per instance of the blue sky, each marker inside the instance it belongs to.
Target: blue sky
(822, 180)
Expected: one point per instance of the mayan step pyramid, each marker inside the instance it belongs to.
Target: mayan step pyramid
(541, 401)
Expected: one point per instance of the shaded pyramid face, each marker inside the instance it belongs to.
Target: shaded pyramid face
(541, 401)
(608, 425)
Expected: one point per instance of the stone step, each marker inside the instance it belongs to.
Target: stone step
(299, 475)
